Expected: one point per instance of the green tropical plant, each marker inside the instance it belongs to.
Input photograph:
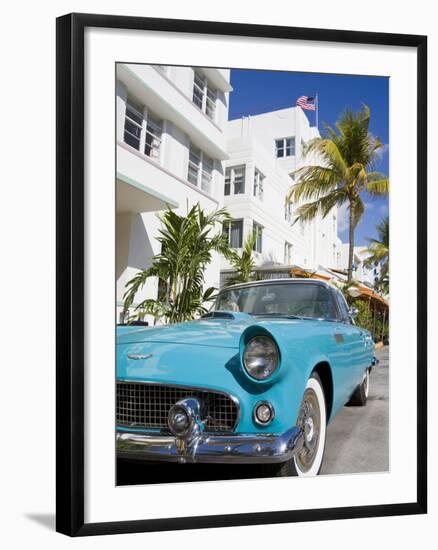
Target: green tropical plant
(378, 251)
(243, 264)
(347, 154)
(187, 245)
(371, 320)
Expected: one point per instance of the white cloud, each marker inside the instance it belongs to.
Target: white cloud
(343, 217)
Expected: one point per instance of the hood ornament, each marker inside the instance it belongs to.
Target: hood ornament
(138, 356)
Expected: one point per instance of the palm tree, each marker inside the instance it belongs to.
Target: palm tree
(378, 251)
(346, 154)
(187, 245)
(243, 264)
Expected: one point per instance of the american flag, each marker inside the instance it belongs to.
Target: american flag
(306, 102)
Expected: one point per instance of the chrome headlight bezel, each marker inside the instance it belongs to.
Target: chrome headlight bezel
(261, 357)
(256, 416)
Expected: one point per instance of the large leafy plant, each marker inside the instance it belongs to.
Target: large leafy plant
(243, 263)
(187, 245)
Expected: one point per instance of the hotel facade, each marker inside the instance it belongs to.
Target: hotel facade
(171, 145)
(265, 150)
(176, 147)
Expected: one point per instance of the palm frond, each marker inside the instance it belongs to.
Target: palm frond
(244, 264)
(313, 182)
(378, 249)
(378, 187)
(328, 153)
(323, 206)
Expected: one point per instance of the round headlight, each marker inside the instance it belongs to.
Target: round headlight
(261, 357)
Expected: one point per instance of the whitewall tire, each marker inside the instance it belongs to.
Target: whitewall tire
(312, 418)
(309, 460)
(360, 394)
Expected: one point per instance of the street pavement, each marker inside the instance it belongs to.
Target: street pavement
(358, 437)
(357, 441)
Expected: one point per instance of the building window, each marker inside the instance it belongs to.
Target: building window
(285, 147)
(301, 224)
(234, 180)
(258, 230)
(200, 169)
(334, 225)
(152, 142)
(288, 212)
(143, 130)
(233, 230)
(258, 184)
(288, 253)
(204, 96)
(133, 124)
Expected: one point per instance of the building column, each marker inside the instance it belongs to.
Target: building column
(121, 97)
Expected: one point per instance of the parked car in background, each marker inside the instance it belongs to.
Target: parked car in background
(255, 380)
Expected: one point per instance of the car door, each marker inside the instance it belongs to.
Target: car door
(350, 339)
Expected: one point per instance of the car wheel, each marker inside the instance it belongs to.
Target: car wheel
(312, 418)
(360, 395)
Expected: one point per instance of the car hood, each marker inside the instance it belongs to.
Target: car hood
(217, 332)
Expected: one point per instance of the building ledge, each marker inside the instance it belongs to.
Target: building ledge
(158, 166)
(133, 196)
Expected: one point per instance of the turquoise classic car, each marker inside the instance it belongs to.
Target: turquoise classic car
(255, 380)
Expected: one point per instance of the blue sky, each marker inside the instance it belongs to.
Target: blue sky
(256, 92)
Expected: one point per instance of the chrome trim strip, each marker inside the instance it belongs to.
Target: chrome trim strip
(248, 448)
(185, 387)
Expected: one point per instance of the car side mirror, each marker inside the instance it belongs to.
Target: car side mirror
(353, 311)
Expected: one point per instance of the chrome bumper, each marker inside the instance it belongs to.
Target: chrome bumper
(233, 449)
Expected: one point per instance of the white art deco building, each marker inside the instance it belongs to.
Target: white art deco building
(176, 147)
(171, 144)
(264, 151)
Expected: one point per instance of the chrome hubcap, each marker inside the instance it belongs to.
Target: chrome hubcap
(310, 422)
(308, 429)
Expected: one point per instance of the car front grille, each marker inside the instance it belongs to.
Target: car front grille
(145, 405)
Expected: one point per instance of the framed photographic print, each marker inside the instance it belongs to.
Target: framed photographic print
(241, 335)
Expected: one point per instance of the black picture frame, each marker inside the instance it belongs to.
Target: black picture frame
(70, 273)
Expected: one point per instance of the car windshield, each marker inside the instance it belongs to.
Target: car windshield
(279, 299)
